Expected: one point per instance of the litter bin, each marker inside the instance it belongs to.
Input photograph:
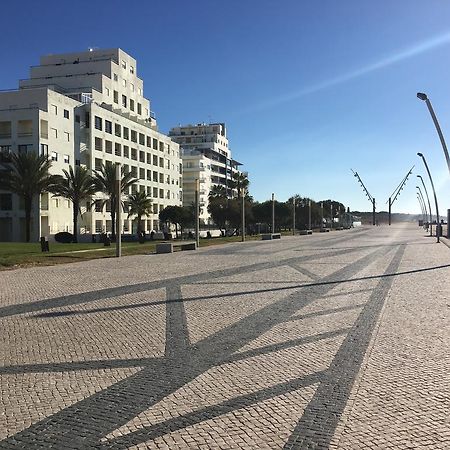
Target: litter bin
(44, 244)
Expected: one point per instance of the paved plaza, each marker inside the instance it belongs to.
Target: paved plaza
(338, 340)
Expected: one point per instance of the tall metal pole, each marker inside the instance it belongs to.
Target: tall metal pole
(423, 202)
(118, 211)
(438, 225)
(321, 209)
(197, 212)
(273, 213)
(373, 213)
(331, 213)
(243, 214)
(309, 215)
(429, 204)
(293, 216)
(424, 97)
(423, 211)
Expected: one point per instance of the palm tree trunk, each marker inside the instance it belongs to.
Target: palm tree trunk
(113, 217)
(75, 221)
(27, 205)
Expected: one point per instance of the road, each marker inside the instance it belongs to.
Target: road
(337, 340)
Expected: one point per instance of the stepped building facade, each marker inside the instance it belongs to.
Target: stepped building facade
(86, 108)
(207, 158)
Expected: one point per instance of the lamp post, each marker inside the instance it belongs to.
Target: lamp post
(438, 228)
(118, 211)
(423, 203)
(309, 215)
(429, 204)
(293, 216)
(321, 209)
(273, 213)
(421, 208)
(197, 212)
(424, 97)
(243, 214)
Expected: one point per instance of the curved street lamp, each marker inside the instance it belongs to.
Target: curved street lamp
(424, 97)
(424, 204)
(429, 204)
(421, 208)
(438, 228)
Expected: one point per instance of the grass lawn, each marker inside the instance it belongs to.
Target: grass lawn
(22, 254)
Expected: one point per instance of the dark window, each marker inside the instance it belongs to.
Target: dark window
(108, 126)
(117, 129)
(116, 97)
(98, 123)
(66, 114)
(139, 108)
(87, 120)
(133, 136)
(124, 101)
(126, 133)
(77, 118)
(5, 202)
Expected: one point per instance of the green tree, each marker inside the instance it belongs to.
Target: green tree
(178, 216)
(76, 185)
(105, 182)
(140, 204)
(218, 191)
(27, 175)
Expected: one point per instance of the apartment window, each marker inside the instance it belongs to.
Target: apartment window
(155, 195)
(98, 206)
(142, 174)
(54, 109)
(126, 151)
(44, 149)
(87, 120)
(149, 175)
(133, 136)
(66, 136)
(124, 64)
(149, 190)
(108, 126)
(161, 162)
(23, 149)
(66, 114)
(98, 123)
(141, 139)
(133, 189)
(134, 171)
(124, 101)
(77, 162)
(126, 133)
(124, 82)
(117, 149)
(98, 164)
(5, 202)
(131, 69)
(115, 97)
(141, 188)
(139, 109)
(149, 158)
(107, 91)
(141, 156)
(117, 129)
(54, 132)
(108, 147)
(5, 130)
(54, 156)
(161, 178)
(155, 160)
(167, 164)
(134, 154)
(131, 104)
(161, 146)
(99, 226)
(155, 144)
(67, 159)
(155, 176)
(161, 193)
(149, 142)
(98, 144)
(56, 202)
(115, 77)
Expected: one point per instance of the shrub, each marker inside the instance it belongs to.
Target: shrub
(64, 237)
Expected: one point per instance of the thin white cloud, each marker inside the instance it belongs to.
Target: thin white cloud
(385, 62)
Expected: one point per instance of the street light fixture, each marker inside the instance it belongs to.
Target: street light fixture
(424, 206)
(429, 204)
(423, 211)
(438, 228)
(424, 98)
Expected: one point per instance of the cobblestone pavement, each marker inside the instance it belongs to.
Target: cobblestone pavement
(337, 340)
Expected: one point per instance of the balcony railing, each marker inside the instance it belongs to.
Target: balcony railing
(5, 135)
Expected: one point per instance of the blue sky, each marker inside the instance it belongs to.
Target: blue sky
(308, 89)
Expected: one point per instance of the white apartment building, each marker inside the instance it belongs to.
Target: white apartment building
(86, 108)
(206, 157)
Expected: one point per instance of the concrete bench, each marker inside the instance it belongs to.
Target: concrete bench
(324, 230)
(305, 232)
(270, 236)
(167, 247)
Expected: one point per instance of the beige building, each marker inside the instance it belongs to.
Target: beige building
(84, 109)
(207, 157)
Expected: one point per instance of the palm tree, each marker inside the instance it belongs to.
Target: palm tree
(76, 186)
(27, 175)
(218, 191)
(140, 204)
(240, 181)
(105, 182)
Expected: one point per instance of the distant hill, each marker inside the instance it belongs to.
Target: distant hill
(383, 217)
